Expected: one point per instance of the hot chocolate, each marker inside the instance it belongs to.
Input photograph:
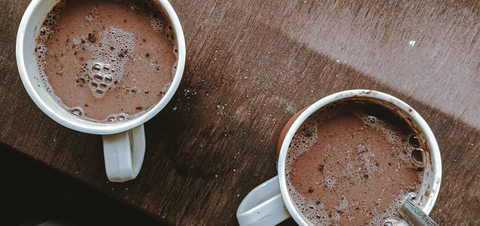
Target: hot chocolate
(106, 60)
(350, 163)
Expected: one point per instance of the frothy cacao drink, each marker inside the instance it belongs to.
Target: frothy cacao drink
(350, 163)
(106, 60)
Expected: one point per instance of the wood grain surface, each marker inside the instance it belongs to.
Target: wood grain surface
(250, 66)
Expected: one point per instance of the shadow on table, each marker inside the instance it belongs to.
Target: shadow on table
(32, 192)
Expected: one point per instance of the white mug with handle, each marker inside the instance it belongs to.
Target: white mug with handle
(270, 202)
(124, 142)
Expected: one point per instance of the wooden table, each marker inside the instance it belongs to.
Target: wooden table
(250, 66)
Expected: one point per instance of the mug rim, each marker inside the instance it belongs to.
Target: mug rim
(432, 143)
(88, 126)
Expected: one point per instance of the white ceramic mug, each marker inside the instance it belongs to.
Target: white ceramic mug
(124, 143)
(270, 202)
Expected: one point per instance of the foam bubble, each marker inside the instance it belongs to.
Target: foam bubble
(96, 67)
(43, 31)
(414, 141)
(98, 77)
(99, 93)
(108, 79)
(77, 112)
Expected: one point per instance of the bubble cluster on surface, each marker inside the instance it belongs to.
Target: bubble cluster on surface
(110, 55)
(316, 212)
(105, 69)
(40, 51)
(120, 117)
(113, 118)
(390, 214)
(157, 24)
(162, 26)
(102, 80)
(329, 182)
(306, 136)
(50, 20)
(313, 210)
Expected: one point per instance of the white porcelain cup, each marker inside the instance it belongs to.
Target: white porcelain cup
(124, 142)
(270, 202)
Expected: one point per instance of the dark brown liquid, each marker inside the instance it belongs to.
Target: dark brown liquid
(104, 60)
(350, 164)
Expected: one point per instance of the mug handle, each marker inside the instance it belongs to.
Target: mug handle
(124, 154)
(263, 205)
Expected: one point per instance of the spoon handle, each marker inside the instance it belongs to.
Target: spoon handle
(415, 216)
